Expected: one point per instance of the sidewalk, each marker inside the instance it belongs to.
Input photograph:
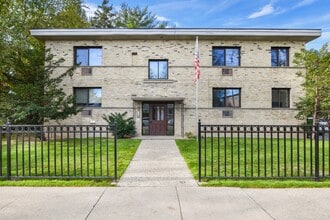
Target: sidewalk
(157, 163)
(156, 203)
(158, 185)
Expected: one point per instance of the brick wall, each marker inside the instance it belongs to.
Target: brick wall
(124, 74)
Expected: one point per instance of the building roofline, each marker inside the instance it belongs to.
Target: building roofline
(176, 33)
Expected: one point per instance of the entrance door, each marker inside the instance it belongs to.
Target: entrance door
(158, 119)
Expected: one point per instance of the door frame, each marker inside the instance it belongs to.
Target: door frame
(147, 119)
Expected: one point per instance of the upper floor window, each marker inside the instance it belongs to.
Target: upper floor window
(280, 56)
(280, 98)
(226, 97)
(91, 96)
(158, 69)
(88, 56)
(226, 56)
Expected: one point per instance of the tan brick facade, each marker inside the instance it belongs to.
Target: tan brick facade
(123, 78)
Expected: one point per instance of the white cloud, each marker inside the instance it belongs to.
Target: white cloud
(90, 9)
(171, 23)
(304, 3)
(161, 18)
(266, 10)
(312, 21)
(326, 17)
(221, 6)
(319, 42)
(175, 6)
(326, 36)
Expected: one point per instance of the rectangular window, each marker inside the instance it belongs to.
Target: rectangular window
(226, 56)
(91, 97)
(158, 69)
(280, 56)
(170, 119)
(88, 56)
(145, 119)
(227, 97)
(280, 98)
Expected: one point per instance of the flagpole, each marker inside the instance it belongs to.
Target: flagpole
(197, 102)
(196, 79)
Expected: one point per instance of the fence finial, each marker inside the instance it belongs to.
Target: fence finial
(8, 122)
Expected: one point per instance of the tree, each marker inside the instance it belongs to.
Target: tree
(136, 17)
(70, 15)
(33, 95)
(316, 101)
(29, 88)
(104, 16)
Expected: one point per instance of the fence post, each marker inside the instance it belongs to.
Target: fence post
(317, 159)
(199, 150)
(115, 150)
(8, 131)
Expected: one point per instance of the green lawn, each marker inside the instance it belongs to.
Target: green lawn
(251, 158)
(81, 158)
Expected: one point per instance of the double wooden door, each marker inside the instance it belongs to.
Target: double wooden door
(158, 118)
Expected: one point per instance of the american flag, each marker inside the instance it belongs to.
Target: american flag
(196, 61)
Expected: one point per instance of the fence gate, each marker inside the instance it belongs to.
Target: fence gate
(263, 151)
(58, 151)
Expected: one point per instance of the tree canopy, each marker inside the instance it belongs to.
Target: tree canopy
(136, 17)
(316, 101)
(126, 17)
(104, 17)
(29, 90)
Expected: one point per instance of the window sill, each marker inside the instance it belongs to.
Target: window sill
(226, 108)
(159, 81)
(88, 107)
(226, 67)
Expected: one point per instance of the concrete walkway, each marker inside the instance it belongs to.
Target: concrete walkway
(158, 185)
(157, 163)
(150, 203)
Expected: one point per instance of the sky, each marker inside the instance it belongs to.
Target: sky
(287, 14)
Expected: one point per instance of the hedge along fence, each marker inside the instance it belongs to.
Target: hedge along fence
(58, 151)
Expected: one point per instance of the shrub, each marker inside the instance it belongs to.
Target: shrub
(190, 135)
(125, 127)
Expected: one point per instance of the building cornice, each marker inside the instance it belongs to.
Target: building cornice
(177, 33)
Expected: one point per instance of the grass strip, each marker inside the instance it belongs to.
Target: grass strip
(125, 152)
(189, 150)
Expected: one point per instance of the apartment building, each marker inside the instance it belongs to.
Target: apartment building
(247, 75)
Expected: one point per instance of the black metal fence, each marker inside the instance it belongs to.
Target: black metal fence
(58, 151)
(263, 151)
